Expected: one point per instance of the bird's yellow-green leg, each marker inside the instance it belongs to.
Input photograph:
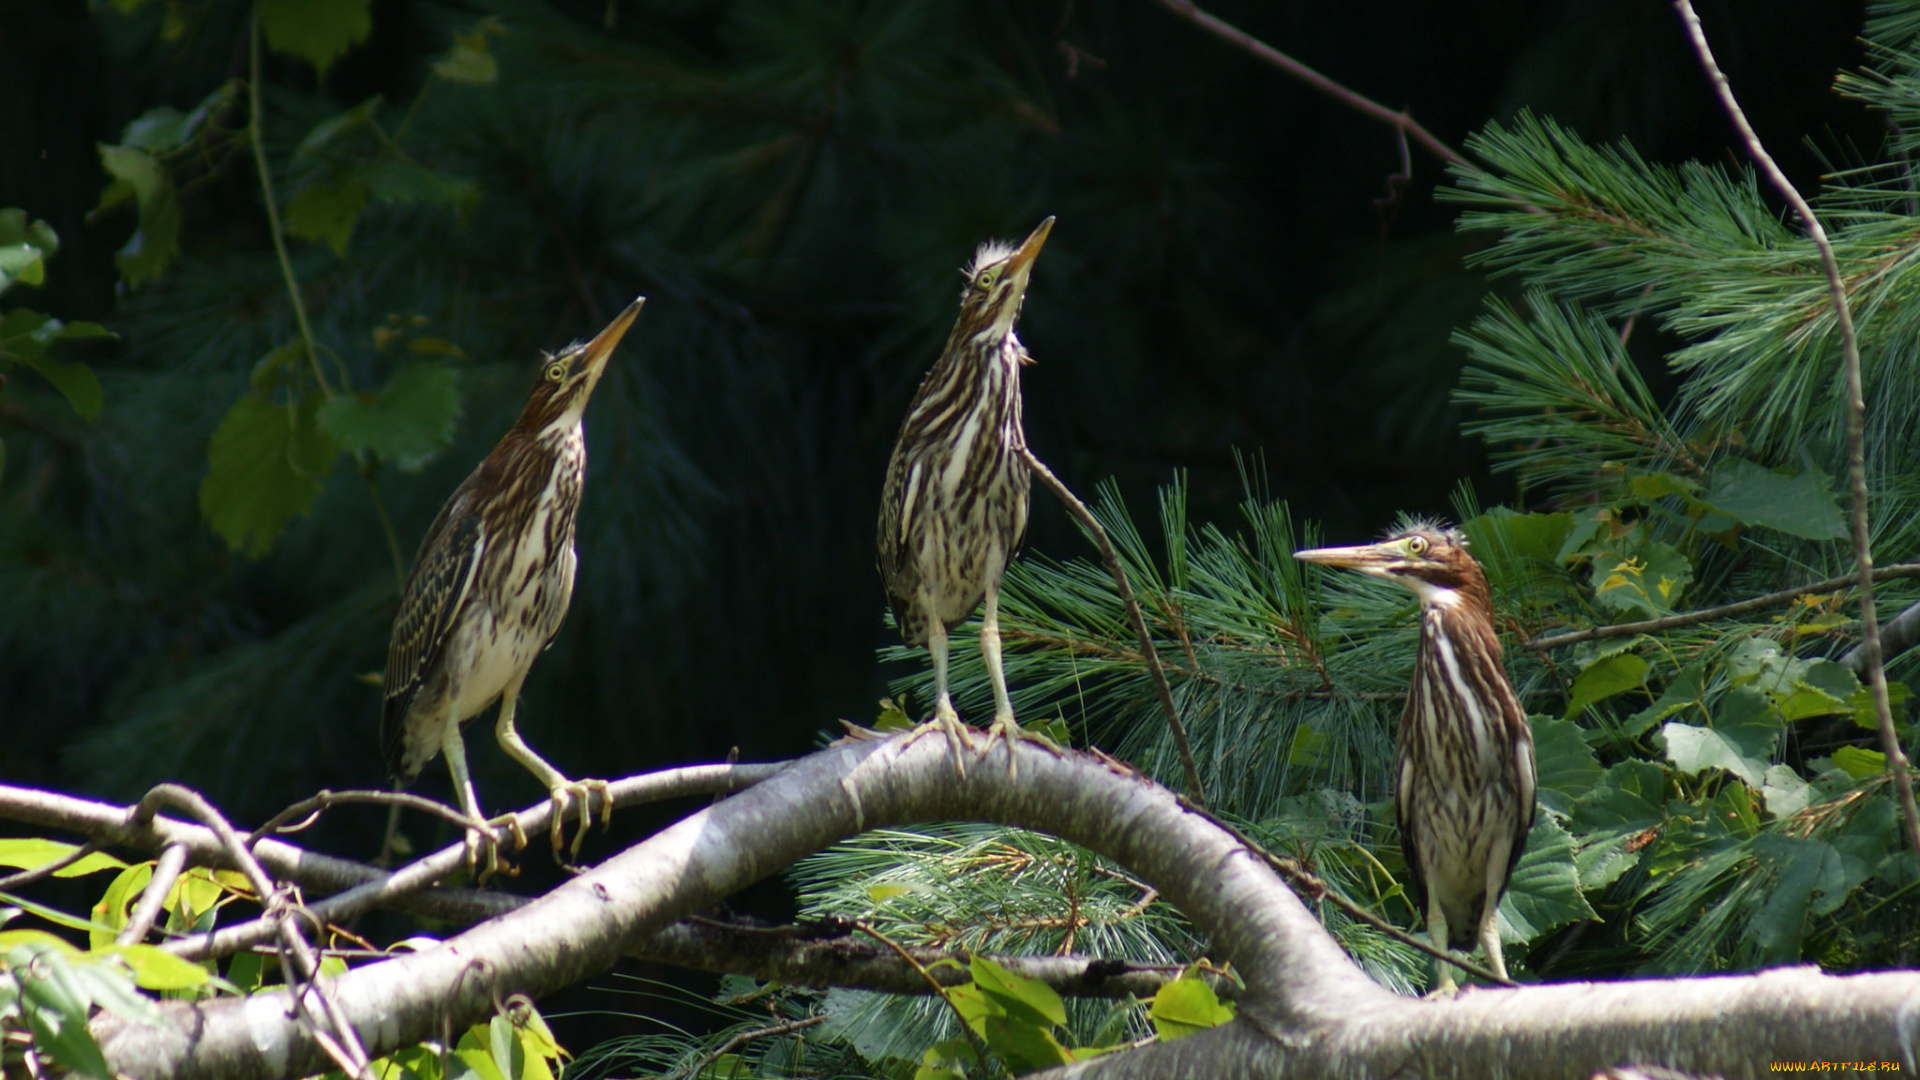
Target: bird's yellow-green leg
(1490, 915)
(483, 850)
(560, 790)
(1004, 725)
(944, 720)
(1443, 984)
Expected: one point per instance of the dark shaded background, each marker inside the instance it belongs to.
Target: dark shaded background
(1236, 286)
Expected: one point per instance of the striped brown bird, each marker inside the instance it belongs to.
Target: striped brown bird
(489, 590)
(955, 504)
(1463, 764)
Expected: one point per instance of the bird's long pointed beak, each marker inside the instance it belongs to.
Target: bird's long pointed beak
(601, 348)
(1029, 249)
(1357, 557)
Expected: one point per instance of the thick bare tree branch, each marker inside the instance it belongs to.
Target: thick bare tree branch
(1307, 1010)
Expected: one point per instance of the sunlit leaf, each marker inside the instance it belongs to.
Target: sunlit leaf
(1185, 1006)
(1022, 998)
(29, 853)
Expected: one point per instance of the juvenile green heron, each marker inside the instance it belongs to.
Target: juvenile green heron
(1463, 766)
(490, 587)
(955, 504)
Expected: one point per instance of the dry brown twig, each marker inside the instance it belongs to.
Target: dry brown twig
(1148, 653)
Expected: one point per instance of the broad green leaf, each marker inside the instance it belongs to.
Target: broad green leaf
(469, 61)
(156, 969)
(266, 464)
(1750, 723)
(473, 1054)
(194, 893)
(327, 211)
(411, 419)
(38, 939)
(505, 1047)
(164, 128)
(880, 894)
(1629, 798)
(1517, 547)
(973, 1005)
(1602, 859)
(243, 971)
(138, 175)
(1612, 675)
(1859, 763)
(328, 131)
(1798, 505)
(1681, 692)
(1565, 763)
(1642, 581)
(317, 31)
(25, 246)
(393, 180)
(1860, 702)
(1545, 890)
(892, 717)
(1784, 791)
(1021, 997)
(30, 853)
(110, 913)
(1802, 869)
(1185, 1006)
(68, 1042)
(1661, 485)
(1025, 1046)
(111, 989)
(75, 381)
(1694, 749)
(725, 1067)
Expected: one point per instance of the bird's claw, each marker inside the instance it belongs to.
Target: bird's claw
(483, 847)
(947, 722)
(1005, 727)
(579, 792)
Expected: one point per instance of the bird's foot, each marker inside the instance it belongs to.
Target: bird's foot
(947, 722)
(483, 847)
(1446, 990)
(580, 793)
(1005, 727)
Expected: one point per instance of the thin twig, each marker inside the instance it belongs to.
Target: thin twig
(1856, 420)
(310, 808)
(745, 1037)
(1724, 611)
(47, 870)
(381, 889)
(1150, 654)
(166, 871)
(1307, 882)
(973, 1037)
(1239, 38)
(296, 955)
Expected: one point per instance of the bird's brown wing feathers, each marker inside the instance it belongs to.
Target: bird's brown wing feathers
(438, 588)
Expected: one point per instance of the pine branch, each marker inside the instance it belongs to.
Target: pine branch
(1856, 422)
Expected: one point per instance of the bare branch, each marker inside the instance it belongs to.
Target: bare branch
(166, 871)
(1876, 675)
(1195, 790)
(1724, 611)
(1240, 39)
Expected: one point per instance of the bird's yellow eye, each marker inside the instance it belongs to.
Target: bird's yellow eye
(556, 371)
(986, 278)
(1416, 544)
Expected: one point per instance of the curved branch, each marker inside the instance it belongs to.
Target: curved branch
(1724, 611)
(1307, 1009)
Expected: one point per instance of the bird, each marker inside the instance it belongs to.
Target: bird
(954, 507)
(1464, 773)
(488, 591)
